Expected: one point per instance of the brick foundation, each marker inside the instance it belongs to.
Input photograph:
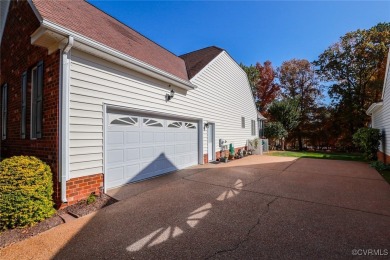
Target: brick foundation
(385, 158)
(218, 154)
(18, 56)
(80, 188)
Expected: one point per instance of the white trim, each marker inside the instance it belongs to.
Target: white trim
(213, 139)
(4, 18)
(104, 147)
(386, 73)
(133, 62)
(373, 107)
(64, 115)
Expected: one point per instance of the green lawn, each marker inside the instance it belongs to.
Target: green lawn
(319, 155)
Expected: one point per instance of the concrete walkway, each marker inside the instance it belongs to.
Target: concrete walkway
(256, 207)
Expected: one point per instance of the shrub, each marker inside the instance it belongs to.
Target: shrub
(368, 140)
(91, 198)
(379, 166)
(26, 190)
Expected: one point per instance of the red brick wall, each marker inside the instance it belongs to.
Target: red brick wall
(17, 56)
(80, 188)
(383, 157)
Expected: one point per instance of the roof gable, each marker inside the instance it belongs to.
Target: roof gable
(195, 61)
(83, 18)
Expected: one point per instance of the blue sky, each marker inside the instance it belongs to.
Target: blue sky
(250, 31)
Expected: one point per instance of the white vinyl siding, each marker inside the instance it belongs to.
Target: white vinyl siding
(222, 96)
(381, 117)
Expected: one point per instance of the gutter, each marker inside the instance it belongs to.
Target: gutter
(64, 116)
(373, 107)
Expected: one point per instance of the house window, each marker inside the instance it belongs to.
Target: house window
(242, 122)
(4, 106)
(253, 127)
(24, 106)
(36, 101)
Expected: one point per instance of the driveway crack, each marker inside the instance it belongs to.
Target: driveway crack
(246, 238)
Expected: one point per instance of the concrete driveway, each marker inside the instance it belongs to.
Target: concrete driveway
(256, 207)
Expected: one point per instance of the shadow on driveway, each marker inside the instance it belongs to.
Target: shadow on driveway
(259, 206)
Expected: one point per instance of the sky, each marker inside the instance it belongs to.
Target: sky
(250, 31)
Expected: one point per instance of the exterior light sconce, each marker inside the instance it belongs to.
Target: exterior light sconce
(206, 126)
(169, 96)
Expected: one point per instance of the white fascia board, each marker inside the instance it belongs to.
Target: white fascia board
(386, 74)
(3, 19)
(373, 107)
(142, 66)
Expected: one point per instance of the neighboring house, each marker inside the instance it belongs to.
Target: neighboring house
(380, 116)
(103, 105)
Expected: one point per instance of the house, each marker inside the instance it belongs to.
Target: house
(380, 117)
(103, 105)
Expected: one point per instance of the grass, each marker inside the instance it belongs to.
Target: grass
(319, 155)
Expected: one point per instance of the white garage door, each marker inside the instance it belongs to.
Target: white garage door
(141, 147)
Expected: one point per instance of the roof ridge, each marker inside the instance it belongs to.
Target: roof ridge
(208, 47)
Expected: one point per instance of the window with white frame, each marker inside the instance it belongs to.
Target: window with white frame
(253, 127)
(4, 108)
(36, 101)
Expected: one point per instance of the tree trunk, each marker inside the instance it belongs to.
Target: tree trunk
(300, 140)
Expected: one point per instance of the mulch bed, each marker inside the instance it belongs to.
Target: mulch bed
(80, 209)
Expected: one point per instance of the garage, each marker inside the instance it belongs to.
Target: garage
(142, 146)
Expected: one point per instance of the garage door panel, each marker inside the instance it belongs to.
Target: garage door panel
(132, 171)
(115, 156)
(159, 137)
(132, 137)
(132, 154)
(116, 174)
(169, 150)
(115, 138)
(147, 153)
(148, 137)
(169, 137)
(143, 147)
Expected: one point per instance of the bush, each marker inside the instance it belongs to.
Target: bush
(26, 190)
(379, 166)
(368, 140)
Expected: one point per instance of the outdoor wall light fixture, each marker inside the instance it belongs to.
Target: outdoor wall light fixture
(169, 96)
(206, 126)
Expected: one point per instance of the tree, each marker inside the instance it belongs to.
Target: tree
(298, 80)
(368, 139)
(286, 112)
(355, 68)
(262, 81)
(275, 131)
(253, 77)
(267, 88)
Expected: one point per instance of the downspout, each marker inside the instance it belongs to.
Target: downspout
(64, 116)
